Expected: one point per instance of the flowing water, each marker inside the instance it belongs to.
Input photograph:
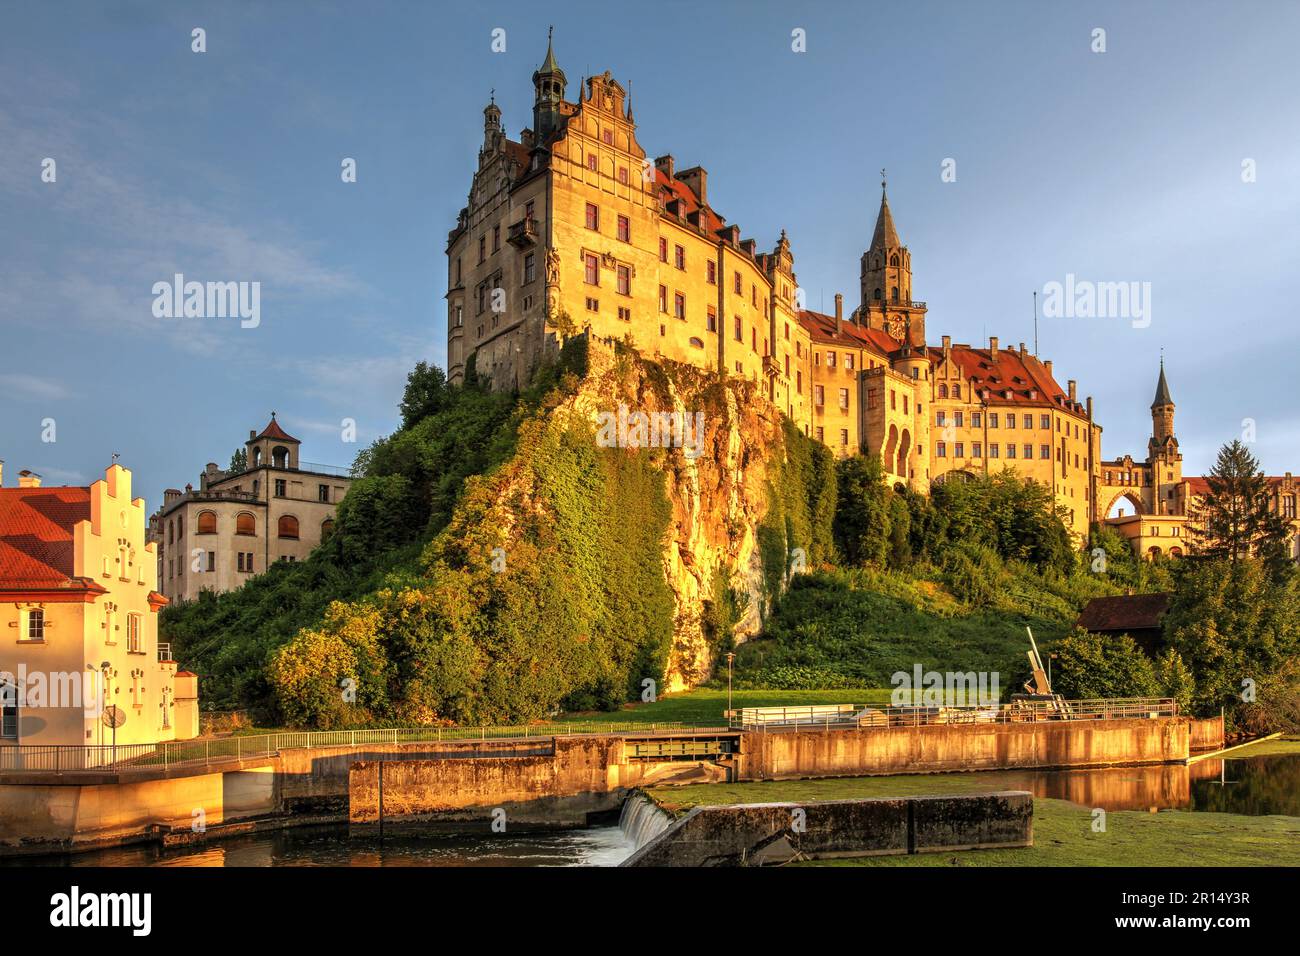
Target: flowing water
(1249, 786)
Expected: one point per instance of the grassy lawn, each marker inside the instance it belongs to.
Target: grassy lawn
(704, 706)
(1063, 833)
(1281, 746)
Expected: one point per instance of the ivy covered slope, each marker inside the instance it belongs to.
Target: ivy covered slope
(499, 560)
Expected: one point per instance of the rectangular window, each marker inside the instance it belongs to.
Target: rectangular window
(1029, 421)
(281, 488)
(941, 449)
(1046, 421)
(679, 257)
(873, 398)
(679, 305)
(624, 229)
(35, 624)
(830, 359)
(1029, 451)
(530, 268)
(959, 450)
(323, 493)
(663, 298)
(941, 418)
(496, 238)
(737, 284)
(622, 175)
(974, 419)
(848, 361)
(711, 272)
(592, 274)
(212, 560)
(844, 398)
(1011, 422)
(482, 249)
(993, 451)
(956, 419)
(1011, 450)
(976, 450)
(821, 433)
(712, 318)
(593, 216)
(819, 395)
(1044, 451)
(624, 280)
(740, 330)
(993, 419)
(844, 436)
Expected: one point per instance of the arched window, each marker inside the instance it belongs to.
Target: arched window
(207, 522)
(245, 523)
(956, 391)
(877, 296)
(326, 528)
(257, 457)
(893, 293)
(943, 391)
(288, 526)
(893, 260)
(280, 456)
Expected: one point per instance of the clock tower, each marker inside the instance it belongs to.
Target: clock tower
(886, 280)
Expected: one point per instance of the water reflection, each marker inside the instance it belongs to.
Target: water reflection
(331, 846)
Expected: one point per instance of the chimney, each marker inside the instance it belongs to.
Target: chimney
(993, 347)
(665, 165)
(947, 346)
(2, 472)
(697, 180)
(839, 312)
(28, 479)
(1022, 351)
(1048, 365)
(1072, 385)
(252, 433)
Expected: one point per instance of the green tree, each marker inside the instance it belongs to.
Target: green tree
(238, 462)
(862, 515)
(427, 393)
(1092, 666)
(1233, 519)
(1237, 627)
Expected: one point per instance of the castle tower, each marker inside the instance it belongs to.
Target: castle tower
(491, 125)
(886, 281)
(1165, 460)
(549, 83)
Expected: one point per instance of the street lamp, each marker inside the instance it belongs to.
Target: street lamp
(730, 657)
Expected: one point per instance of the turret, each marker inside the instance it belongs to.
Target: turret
(548, 83)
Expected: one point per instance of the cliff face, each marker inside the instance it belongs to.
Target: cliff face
(644, 518)
(717, 480)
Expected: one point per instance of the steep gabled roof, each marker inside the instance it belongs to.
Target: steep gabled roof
(1162, 389)
(885, 236)
(36, 535)
(821, 328)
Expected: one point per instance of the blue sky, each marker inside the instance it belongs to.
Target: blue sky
(1117, 166)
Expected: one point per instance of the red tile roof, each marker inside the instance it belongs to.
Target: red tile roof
(273, 430)
(1128, 612)
(1008, 371)
(822, 329)
(710, 222)
(36, 535)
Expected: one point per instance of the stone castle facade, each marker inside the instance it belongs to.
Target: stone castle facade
(572, 228)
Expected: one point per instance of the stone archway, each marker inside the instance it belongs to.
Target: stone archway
(1133, 498)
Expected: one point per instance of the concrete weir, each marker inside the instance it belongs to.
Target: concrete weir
(754, 834)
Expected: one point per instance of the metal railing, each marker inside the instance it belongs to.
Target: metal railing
(316, 467)
(165, 651)
(181, 753)
(845, 716)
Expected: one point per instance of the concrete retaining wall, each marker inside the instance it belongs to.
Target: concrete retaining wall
(755, 834)
(1205, 733)
(944, 747)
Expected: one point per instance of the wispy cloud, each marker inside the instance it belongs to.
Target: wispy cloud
(18, 385)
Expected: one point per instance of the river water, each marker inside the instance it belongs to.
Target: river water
(1250, 786)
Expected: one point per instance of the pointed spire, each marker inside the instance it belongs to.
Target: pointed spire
(629, 101)
(549, 66)
(1162, 388)
(885, 236)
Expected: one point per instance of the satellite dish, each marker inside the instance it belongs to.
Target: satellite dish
(113, 716)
